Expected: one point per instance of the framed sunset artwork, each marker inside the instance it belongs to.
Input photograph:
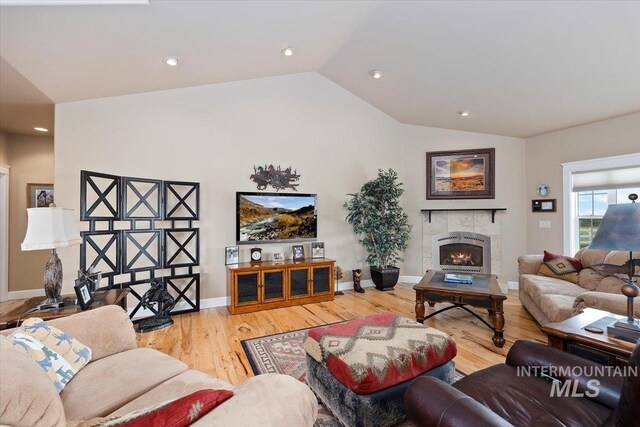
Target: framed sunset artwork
(461, 174)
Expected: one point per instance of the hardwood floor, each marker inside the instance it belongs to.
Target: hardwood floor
(209, 341)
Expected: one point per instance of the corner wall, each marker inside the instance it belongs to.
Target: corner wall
(31, 159)
(545, 155)
(4, 148)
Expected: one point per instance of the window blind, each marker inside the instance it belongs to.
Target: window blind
(606, 179)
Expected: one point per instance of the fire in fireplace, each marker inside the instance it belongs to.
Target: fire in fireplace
(462, 252)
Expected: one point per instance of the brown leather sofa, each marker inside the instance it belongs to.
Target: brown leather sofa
(496, 396)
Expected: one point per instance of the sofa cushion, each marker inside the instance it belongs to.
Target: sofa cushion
(589, 279)
(538, 286)
(613, 303)
(129, 375)
(610, 285)
(106, 330)
(560, 267)
(180, 412)
(57, 353)
(557, 307)
(266, 400)
(28, 397)
(590, 257)
(173, 388)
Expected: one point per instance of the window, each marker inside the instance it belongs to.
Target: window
(588, 188)
(591, 206)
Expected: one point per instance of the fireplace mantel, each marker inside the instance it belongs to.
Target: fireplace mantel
(492, 210)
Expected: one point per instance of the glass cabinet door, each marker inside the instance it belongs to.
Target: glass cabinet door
(273, 285)
(321, 280)
(299, 283)
(247, 288)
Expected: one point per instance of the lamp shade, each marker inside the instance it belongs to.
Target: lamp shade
(50, 228)
(620, 229)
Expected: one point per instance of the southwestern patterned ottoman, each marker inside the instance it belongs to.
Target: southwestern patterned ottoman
(360, 369)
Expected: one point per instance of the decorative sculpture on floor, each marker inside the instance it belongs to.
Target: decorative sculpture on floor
(338, 274)
(276, 177)
(165, 302)
(357, 275)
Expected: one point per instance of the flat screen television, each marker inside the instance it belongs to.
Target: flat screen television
(275, 217)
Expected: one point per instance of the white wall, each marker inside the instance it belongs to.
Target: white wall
(545, 155)
(510, 163)
(215, 134)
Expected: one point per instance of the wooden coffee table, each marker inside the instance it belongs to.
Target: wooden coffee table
(13, 318)
(483, 293)
(571, 337)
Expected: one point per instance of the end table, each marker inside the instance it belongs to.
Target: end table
(13, 318)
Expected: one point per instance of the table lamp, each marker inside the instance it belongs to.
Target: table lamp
(51, 228)
(620, 231)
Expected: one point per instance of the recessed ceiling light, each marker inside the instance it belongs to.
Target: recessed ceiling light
(288, 51)
(171, 61)
(464, 113)
(39, 129)
(375, 74)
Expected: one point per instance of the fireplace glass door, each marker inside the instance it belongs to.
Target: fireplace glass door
(461, 254)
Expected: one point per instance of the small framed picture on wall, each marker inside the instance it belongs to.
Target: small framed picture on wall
(298, 252)
(317, 250)
(39, 195)
(231, 255)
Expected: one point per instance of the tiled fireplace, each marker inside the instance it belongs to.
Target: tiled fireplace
(461, 230)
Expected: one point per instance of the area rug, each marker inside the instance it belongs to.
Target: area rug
(283, 354)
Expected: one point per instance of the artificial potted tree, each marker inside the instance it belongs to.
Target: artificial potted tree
(376, 215)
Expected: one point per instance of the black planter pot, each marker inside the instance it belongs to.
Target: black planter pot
(384, 278)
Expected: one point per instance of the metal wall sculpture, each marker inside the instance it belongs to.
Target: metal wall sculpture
(128, 245)
(275, 177)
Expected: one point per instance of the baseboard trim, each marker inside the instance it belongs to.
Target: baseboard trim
(513, 285)
(30, 293)
(224, 301)
(410, 279)
(204, 303)
(348, 286)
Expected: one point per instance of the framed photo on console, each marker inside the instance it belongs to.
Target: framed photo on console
(231, 255)
(298, 252)
(317, 250)
(83, 293)
(461, 174)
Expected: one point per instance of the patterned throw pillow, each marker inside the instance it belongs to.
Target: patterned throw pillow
(177, 413)
(560, 267)
(59, 354)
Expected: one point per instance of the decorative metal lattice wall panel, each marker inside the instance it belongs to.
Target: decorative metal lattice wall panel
(126, 242)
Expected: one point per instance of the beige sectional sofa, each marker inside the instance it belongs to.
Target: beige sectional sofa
(122, 378)
(554, 300)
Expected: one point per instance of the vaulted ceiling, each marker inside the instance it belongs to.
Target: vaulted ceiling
(521, 68)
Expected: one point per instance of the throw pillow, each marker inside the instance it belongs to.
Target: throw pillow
(560, 267)
(60, 355)
(177, 413)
